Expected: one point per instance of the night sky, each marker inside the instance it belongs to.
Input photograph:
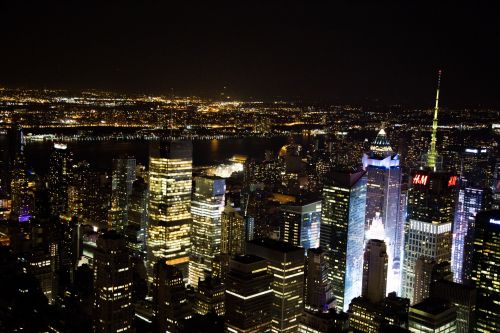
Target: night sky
(353, 52)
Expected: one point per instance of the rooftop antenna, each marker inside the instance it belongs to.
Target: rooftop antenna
(432, 155)
(172, 114)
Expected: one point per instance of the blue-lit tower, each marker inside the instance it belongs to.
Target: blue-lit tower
(383, 191)
(342, 234)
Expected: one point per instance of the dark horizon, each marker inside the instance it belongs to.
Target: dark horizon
(351, 53)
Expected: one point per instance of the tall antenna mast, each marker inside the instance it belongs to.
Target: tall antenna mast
(172, 114)
(432, 155)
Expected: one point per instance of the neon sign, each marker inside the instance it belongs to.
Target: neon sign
(452, 181)
(420, 179)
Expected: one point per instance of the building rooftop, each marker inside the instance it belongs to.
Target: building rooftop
(275, 245)
(433, 306)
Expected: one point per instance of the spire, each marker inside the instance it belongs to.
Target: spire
(381, 143)
(432, 155)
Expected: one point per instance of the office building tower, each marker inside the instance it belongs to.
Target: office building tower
(319, 322)
(170, 303)
(462, 297)
(60, 164)
(301, 224)
(169, 207)
(123, 177)
(495, 186)
(383, 191)
(113, 311)
(471, 200)
(374, 271)
(21, 197)
(428, 271)
(232, 231)
(486, 271)
(431, 205)
(342, 234)
(432, 316)
(138, 216)
(206, 209)
(318, 295)
(286, 264)
(249, 296)
(366, 316)
(209, 297)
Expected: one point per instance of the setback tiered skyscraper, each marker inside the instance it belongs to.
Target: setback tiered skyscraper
(170, 177)
(121, 187)
(342, 234)
(375, 271)
(206, 208)
(383, 190)
(286, 263)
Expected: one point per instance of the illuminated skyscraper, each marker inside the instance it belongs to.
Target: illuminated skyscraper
(233, 231)
(486, 271)
(383, 190)
(113, 311)
(170, 174)
(209, 297)
(170, 304)
(342, 234)
(473, 196)
(431, 205)
(318, 294)
(206, 209)
(286, 263)
(301, 224)
(58, 179)
(249, 297)
(121, 189)
(375, 271)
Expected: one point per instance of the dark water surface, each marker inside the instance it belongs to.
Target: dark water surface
(205, 152)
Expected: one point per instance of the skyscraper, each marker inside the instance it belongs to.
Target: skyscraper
(249, 297)
(431, 204)
(58, 179)
(286, 263)
(301, 224)
(138, 215)
(318, 290)
(206, 209)
(486, 271)
(375, 271)
(432, 316)
(169, 208)
(121, 188)
(383, 190)
(113, 311)
(233, 231)
(342, 234)
(473, 196)
(170, 304)
(209, 297)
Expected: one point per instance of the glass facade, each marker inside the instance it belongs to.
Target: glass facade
(206, 209)
(169, 208)
(342, 234)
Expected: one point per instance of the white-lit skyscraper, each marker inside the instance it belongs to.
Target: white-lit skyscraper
(342, 234)
(169, 208)
(206, 209)
(383, 190)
